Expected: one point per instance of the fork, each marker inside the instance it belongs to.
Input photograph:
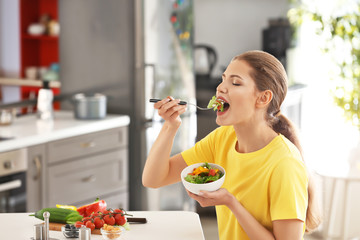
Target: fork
(154, 100)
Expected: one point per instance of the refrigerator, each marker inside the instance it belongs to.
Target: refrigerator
(168, 60)
(133, 51)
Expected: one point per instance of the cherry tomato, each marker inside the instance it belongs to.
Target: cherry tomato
(78, 224)
(99, 223)
(90, 225)
(120, 219)
(94, 215)
(106, 212)
(86, 219)
(109, 220)
(117, 210)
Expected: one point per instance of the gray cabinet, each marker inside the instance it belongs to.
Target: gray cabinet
(88, 144)
(77, 170)
(83, 168)
(34, 177)
(87, 178)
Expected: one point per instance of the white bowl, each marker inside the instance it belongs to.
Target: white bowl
(112, 235)
(195, 187)
(36, 29)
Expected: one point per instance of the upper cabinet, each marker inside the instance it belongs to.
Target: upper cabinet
(39, 45)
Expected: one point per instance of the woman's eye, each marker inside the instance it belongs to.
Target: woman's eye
(236, 84)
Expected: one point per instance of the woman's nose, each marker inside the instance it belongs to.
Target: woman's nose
(221, 88)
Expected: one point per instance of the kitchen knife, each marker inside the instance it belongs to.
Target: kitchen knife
(136, 220)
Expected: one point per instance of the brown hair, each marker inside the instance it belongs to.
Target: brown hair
(269, 74)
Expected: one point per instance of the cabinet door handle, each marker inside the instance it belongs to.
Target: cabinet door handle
(37, 163)
(88, 144)
(91, 178)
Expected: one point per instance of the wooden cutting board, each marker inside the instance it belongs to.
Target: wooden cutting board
(57, 227)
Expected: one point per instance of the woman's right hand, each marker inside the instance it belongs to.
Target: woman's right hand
(159, 159)
(170, 110)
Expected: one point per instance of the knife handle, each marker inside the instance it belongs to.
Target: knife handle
(136, 220)
(155, 100)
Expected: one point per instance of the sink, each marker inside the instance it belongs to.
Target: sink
(5, 138)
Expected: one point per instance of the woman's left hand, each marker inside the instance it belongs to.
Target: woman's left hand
(206, 199)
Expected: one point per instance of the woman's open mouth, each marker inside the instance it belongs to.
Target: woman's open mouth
(225, 108)
(224, 105)
(219, 104)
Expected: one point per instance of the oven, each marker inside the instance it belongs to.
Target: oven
(13, 167)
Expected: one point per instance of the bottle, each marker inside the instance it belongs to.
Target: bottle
(52, 74)
(44, 102)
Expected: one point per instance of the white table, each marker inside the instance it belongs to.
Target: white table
(174, 225)
(335, 179)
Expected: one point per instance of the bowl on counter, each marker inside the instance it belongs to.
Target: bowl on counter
(197, 187)
(111, 232)
(70, 231)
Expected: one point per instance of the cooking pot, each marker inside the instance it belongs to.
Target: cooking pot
(89, 106)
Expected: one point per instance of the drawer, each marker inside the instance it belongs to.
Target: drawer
(87, 178)
(86, 144)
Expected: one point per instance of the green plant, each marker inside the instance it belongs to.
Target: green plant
(339, 30)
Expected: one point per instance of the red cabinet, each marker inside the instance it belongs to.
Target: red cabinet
(41, 50)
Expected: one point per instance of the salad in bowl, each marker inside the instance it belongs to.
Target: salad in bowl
(203, 176)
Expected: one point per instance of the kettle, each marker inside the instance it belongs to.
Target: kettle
(205, 59)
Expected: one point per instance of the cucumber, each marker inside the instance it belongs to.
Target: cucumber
(59, 215)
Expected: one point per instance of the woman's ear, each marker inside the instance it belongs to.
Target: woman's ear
(264, 98)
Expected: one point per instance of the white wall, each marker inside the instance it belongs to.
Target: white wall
(9, 38)
(234, 26)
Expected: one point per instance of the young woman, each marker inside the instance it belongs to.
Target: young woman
(266, 193)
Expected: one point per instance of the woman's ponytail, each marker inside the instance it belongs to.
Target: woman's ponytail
(284, 126)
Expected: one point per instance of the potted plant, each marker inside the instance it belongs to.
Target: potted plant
(339, 30)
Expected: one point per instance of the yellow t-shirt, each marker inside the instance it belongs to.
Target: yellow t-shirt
(270, 183)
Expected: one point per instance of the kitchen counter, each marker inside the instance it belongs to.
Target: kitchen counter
(28, 131)
(174, 225)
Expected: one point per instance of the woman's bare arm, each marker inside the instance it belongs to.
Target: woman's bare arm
(287, 229)
(161, 169)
